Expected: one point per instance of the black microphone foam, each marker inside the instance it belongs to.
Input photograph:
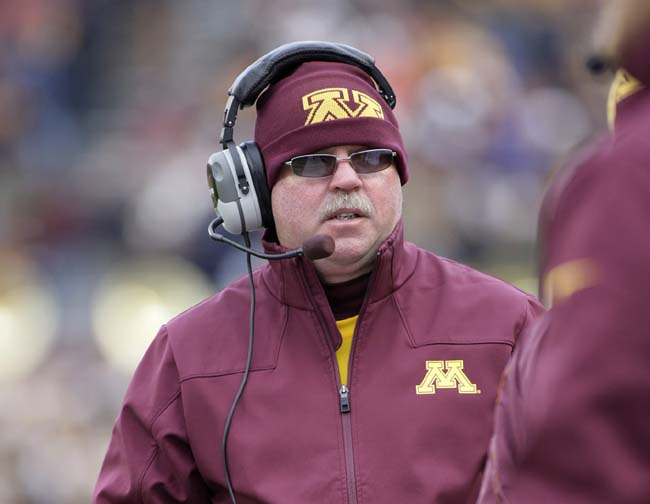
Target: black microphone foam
(318, 247)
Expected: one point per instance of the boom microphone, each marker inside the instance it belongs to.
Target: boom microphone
(318, 247)
(314, 248)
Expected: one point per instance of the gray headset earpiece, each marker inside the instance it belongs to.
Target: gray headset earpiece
(239, 209)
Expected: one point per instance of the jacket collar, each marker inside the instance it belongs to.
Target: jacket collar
(296, 283)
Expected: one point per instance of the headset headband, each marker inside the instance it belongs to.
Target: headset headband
(274, 65)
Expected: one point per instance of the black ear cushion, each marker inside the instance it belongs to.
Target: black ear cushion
(258, 174)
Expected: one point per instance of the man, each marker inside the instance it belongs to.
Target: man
(374, 370)
(572, 422)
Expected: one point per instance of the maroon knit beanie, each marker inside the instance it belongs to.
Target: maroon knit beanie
(321, 105)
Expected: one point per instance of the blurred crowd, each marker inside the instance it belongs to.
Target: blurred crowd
(108, 113)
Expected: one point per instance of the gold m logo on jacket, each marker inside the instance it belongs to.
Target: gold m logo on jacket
(329, 104)
(446, 374)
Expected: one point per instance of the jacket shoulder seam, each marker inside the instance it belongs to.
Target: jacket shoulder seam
(177, 393)
(162, 410)
(482, 277)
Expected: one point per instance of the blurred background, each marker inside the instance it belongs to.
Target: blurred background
(108, 113)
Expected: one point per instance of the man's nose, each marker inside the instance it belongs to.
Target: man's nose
(344, 177)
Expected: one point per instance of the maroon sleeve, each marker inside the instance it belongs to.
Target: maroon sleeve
(572, 422)
(149, 458)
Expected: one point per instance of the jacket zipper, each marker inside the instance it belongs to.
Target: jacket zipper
(344, 399)
(344, 404)
(344, 391)
(347, 443)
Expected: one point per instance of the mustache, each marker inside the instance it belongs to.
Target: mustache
(347, 200)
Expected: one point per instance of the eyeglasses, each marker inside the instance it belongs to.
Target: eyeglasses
(323, 165)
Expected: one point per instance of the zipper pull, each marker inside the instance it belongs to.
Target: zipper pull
(344, 399)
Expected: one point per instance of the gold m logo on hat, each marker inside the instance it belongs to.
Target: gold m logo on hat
(334, 103)
(453, 377)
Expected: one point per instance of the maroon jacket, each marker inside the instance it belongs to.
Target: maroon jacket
(290, 442)
(573, 422)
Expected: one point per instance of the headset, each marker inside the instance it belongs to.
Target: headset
(237, 177)
(236, 174)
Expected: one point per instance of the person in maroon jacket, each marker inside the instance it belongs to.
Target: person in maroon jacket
(374, 370)
(572, 422)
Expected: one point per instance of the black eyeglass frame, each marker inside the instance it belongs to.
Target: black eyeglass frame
(337, 159)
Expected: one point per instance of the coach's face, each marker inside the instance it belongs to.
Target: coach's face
(358, 211)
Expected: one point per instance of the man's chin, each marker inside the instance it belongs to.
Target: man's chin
(349, 260)
(350, 250)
